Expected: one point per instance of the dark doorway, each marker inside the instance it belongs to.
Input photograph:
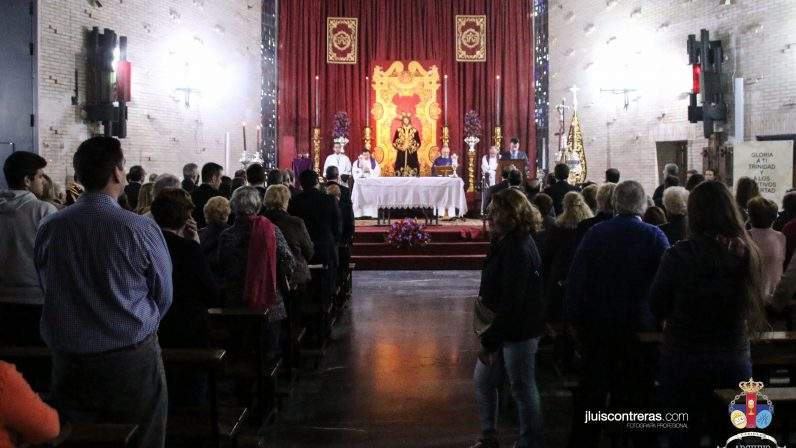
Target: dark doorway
(672, 152)
(17, 78)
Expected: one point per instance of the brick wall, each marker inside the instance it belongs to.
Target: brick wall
(609, 44)
(220, 39)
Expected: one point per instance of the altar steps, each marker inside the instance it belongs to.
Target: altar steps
(418, 262)
(451, 248)
(458, 248)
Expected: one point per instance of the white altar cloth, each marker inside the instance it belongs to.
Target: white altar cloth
(442, 193)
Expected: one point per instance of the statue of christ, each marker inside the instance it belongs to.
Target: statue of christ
(406, 142)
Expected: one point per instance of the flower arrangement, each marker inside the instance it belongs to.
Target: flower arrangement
(407, 233)
(342, 125)
(472, 124)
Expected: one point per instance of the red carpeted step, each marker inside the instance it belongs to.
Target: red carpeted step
(441, 234)
(418, 262)
(455, 248)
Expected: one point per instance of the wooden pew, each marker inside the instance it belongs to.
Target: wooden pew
(241, 332)
(82, 435)
(215, 423)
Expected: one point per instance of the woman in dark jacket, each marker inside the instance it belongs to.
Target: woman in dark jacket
(510, 308)
(707, 290)
(560, 244)
(216, 214)
(195, 290)
(277, 198)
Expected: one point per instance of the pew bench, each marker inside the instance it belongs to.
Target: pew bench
(241, 333)
(213, 423)
(199, 423)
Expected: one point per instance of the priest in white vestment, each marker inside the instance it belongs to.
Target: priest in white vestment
(365, 166)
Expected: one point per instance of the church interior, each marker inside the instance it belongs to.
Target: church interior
(397, 223)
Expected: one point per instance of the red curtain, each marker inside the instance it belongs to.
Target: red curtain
(405, 30)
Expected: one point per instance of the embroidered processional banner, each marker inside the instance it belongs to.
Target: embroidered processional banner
(341, 40)
(470, 38)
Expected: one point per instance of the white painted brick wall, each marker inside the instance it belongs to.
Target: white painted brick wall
(649, 53)
(163, 134)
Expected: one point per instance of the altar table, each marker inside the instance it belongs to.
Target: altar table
(439, 193)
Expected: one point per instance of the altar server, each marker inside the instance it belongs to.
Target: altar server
(338, 159)
(489, 163)
(366, 166)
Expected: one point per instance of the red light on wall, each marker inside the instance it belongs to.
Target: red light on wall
(123, 73)
(697, 72)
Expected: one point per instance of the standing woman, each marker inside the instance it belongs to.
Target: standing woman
(560, 244)
(509, 319)
(707, 289)
(745, 190)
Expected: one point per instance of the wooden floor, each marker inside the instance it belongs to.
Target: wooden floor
(399, 372)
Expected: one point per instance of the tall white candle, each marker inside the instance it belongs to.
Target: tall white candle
(497, 100)
(317, 103)
(445, 98)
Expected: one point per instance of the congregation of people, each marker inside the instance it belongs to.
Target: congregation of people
(121, 264)
(132, 263)
(587, 269)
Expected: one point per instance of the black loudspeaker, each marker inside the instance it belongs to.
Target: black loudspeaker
(706, 57)
(102, 102)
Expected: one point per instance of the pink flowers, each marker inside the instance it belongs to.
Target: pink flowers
(407, 233)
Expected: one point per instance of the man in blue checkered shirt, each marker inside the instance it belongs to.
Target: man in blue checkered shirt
(106, 277)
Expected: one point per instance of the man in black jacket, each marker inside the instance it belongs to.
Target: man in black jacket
(211, 180)
(560, 188)
(322, 217)
(136, 178)
(346, 205)
(497, 188)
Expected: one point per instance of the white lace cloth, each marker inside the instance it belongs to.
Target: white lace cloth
(442, 193)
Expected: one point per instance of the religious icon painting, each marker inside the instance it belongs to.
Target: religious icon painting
(341, 40)
(470, 38)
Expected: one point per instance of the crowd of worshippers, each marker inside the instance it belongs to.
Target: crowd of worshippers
(122, 263)
(121, 266)
(588, 268)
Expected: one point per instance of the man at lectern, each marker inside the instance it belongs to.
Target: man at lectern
(365, 166)
(340, 160)
(514, 152)
(444, 158)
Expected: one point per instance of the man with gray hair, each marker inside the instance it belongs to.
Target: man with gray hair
(190, 177)
(675, 202)
(607, 303)
(165, 180)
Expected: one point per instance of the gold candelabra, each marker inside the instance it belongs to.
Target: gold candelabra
(498, 137)
(316, 149)
(446, 135)
(471, 171)
(366, 136)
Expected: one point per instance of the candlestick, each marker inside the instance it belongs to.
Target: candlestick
(497, 105)
(367, 100)
(244, 136)
(317, 103)
(226, 150)
(445, 98)
(259, 138)
(316, 149)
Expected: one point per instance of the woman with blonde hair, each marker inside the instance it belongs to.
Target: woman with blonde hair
(509, 318)
(560, 245)
(146, 195)
(277, 198)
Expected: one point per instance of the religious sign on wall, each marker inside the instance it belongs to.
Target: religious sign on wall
(341, 40)
(770, 164)
(470, 38)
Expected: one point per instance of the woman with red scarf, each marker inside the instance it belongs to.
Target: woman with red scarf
(255, 262)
